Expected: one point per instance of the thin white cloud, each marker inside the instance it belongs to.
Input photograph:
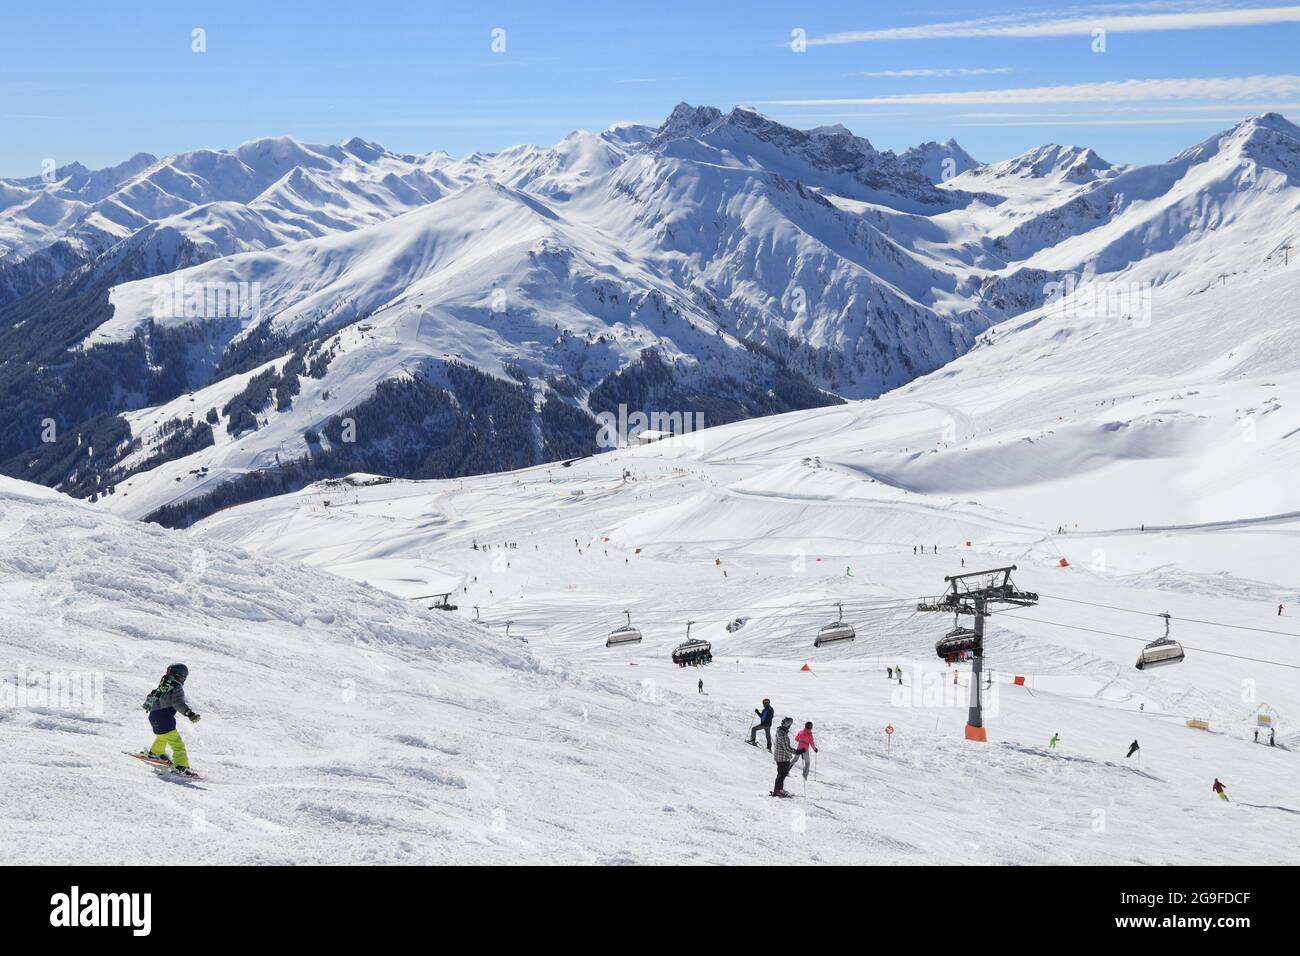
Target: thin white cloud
(1166, 121)
(1111, 91)
(1291, 106)
(1071, 25)
(650, 79)
(941, 71)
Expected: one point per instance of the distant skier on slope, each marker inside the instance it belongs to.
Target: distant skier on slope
(1279, 610)
(700, 686)
(1220, 789)
(1272, 737)
(804, 739)
(162, 704)
(1055, 738)
(764, 724)
(1132, 749)
(784, 756)
(890, 672)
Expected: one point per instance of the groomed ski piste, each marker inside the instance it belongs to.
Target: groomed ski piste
(1126, 469)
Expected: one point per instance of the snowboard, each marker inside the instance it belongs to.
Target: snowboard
(162, 766)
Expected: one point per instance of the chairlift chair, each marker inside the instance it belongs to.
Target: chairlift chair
(837, 632)
(956, 644)
(1161, 652)
(443, 603)
(624, 635)
(692, 652)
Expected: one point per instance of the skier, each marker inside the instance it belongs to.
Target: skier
(1279, 610)
(1220, 789)
(1132, 749)
(764, 723)
(1272, 742)
(804, 739)
(913, 550)
(898, 672)
(1052, 742)
(784, 757)
(162, 704)
(700, 686)
(890, 672)
(1256, 735)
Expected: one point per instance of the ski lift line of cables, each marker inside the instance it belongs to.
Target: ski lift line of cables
(1189, 620)
(1143, 640)
(796, 614)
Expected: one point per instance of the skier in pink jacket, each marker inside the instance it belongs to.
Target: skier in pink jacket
(804, 741)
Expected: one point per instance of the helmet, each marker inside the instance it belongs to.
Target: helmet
(787, 721)
(179, 671)
(808, 726)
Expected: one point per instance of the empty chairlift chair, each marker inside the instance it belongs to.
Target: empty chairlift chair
(1161, 652)
(627, 634)
(692, 653)
(837, 632)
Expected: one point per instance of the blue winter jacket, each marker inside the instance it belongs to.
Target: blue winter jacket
(766, 714)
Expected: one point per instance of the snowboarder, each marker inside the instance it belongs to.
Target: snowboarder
(1272, 742)
(1279, 610)
(764, 724)
(162, 704)
(1220, 789)
(804, 739)
(700, 686)
(890, 672)
(784, 756)
(1052, 742)
(1256, 735)
(913, 550)
(1132, 749)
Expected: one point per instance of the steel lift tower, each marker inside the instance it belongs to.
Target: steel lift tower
(973, 593)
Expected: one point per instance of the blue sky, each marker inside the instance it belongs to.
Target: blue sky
(97, 82)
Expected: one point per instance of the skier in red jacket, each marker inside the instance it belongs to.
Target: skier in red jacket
(1220, 790)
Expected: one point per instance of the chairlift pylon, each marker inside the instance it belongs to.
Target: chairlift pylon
(836, 632)
(1161, 652)
(624, 635)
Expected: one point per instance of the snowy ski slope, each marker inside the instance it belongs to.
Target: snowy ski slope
(346, 722)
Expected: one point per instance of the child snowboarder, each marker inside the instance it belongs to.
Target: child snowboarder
(1220, 790)
(804, 739)
(162, 704)
(784, 757)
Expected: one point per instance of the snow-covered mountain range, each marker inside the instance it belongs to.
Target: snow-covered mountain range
(473, 314)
